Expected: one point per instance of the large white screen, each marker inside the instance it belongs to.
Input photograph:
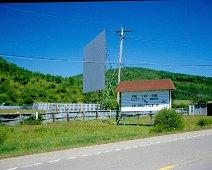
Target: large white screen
(94, 64)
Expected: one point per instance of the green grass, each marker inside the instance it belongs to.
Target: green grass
(23, 139)
(182, 101)
(4, 111)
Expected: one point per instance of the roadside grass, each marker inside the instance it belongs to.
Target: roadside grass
(26, 139)
(5, 111)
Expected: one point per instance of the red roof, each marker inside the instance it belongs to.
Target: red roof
(145, 85)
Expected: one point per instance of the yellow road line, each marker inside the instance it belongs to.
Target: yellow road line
(167, 167)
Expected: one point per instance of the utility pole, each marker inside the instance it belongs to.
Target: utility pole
(122, 37)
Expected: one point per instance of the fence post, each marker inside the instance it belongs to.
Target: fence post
(151, 119)
(36, 115)
(137, 119)
(83, 115)
(66, 109)
(67, 115)
(124, 119)
(96, 114)
(53, 118)
(20, 117)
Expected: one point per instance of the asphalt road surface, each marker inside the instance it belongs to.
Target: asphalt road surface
(184, 151)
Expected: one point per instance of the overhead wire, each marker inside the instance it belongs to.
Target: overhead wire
(191, 93)
(81, 20)
(172, 65)
(109, 62)
(59, 17)
(49, 59)
(132, 37)
(157, 40)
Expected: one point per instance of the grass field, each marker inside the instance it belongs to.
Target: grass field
(2, 111)
(182, 101)
(23, 139)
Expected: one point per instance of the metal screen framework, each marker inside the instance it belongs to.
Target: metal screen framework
(94, 64)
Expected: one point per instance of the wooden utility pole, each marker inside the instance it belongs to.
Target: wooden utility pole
(122, 37)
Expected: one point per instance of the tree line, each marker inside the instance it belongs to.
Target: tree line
(19, 86)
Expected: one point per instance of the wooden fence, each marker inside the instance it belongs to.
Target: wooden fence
(16, 118)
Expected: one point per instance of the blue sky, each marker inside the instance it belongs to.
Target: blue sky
(166, 35)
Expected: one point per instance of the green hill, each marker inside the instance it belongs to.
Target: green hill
(188, 87)
(22, 87)
(19, 86)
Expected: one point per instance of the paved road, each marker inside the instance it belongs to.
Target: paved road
(190, 151)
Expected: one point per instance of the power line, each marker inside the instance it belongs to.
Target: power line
(113, 63)
(157, 40)
(49, 59)
(173, 65)
(109, 62)
(59, 17)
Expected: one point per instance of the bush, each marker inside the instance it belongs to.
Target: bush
(203, 122)
(168, 120)
(32, 120)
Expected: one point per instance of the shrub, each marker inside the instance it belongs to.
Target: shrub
(167, 120)
(32, 120)
(203, 122)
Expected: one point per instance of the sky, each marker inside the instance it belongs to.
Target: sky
(174, 36)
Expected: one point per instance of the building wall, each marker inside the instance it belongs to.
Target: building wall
(145, 101)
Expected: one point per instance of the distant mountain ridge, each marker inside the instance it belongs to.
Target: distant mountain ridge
(19, 86)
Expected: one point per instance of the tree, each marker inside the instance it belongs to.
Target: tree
(28, 101)
(200, 100)
(71, 81)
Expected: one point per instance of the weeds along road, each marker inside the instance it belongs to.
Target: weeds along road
(191, 150)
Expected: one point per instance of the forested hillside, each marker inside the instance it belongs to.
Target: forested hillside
(22, 87)
(19, 86)
(187, 86)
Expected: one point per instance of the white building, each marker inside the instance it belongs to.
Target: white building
(145, 95)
